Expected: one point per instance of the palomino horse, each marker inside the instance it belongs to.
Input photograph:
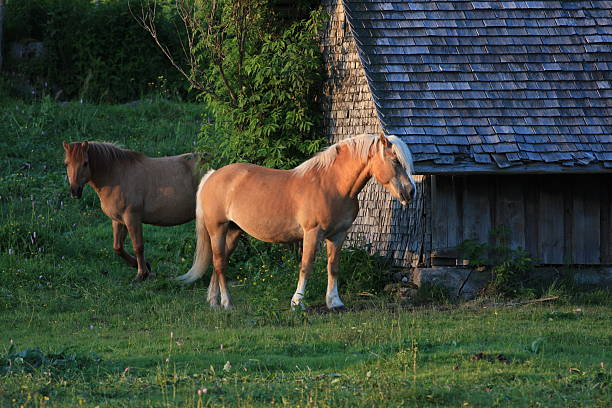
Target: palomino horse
(315, 201)
(134, 189)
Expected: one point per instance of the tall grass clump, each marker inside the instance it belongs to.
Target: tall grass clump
(271, 271)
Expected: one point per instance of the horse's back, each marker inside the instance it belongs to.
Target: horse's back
(258, 199)
(237, 181)
(168, 186)
(183, 168)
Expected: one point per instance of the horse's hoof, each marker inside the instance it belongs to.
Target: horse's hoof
(338, 309)
(298, 307)
(140, 278)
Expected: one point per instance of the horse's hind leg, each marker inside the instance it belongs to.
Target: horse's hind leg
(218, 236)
(119, 233)
(231, 241)
(134, 227)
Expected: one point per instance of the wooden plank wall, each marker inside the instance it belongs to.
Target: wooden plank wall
(558, 219)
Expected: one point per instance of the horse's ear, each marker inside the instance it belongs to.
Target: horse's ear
(85, 145)
(66, 146)
(383, 139)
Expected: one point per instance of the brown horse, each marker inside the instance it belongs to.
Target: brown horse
(315, 201)
(134, 189)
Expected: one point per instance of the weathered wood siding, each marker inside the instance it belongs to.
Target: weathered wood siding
(382, 226)
(347, 104)
(558, 219)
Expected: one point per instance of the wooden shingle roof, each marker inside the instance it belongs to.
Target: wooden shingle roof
(483, 85)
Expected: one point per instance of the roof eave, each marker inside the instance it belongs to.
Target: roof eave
(428, 167)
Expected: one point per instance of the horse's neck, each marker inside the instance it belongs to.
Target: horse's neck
(350, 176)
(105, 175)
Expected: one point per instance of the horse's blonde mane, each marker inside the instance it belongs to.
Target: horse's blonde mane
(360, 146)
(402, 152)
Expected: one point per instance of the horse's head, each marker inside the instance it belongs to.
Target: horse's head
(77, 166)
(391, 165)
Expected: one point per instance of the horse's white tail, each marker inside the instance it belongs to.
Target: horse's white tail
(203, 253)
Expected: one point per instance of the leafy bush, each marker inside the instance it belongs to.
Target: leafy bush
(31, 359)
(275, 119)
(362, 272)
(92, 51)
(510, 267)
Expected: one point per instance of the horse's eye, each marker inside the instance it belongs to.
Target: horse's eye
(85, 164)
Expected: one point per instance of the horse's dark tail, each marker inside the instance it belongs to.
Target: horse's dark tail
(203, 253)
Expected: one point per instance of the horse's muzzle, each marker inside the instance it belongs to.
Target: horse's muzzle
(407, 196)
(76, 192)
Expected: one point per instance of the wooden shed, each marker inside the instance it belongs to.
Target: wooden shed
(507, 108)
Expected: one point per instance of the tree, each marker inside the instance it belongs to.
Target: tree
(258, 74)
(1, 30)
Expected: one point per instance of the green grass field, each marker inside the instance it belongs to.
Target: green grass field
(75, 332)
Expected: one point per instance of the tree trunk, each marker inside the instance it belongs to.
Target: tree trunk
(1, 30)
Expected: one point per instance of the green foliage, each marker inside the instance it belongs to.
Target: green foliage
(92, 51)
(510, 267)
(600, 296)
(537, 345)
(268, 269)
(29, 360)
(431, 294)
(271, 270)
(262, 84)
(275, 119)
(362, 272)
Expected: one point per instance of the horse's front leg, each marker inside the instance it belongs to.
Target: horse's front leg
(334, 245)
(134, 227)
(119, 233)
(311, 241)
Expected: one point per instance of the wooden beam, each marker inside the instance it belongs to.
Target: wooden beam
(445, 214)
(477, 215)
(531, 193)
(510, 209)
(605, 187)
(586, 221)
(551, 228)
